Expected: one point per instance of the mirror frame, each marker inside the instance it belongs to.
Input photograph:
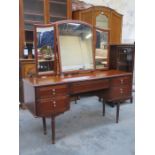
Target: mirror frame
(59, 52)
(36, 52)
(108, 44)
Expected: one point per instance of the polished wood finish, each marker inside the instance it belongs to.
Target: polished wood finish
(87, 86)
(51, 95)
(52, 106)
(114, 20)
(116, 27)
(120, 89)
(46, 12)
(51, 91)
(69, 9)
(21, 29)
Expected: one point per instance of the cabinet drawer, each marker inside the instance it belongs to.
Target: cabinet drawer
(124, 80)
(51, 91)
(119, 92)
(86, 86)
(47, 107)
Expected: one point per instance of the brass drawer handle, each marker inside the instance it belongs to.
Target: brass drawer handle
(54, 103)
(122, 81)
(53, 93)
(121, 91)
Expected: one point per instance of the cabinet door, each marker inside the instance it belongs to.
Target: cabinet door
(27, 69)
(33, 13)
(116, 28)
(57, 10)
(125, 58)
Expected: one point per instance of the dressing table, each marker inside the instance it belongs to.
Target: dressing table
(75, 70)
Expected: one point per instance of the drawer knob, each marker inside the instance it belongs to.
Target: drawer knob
(53, 90)
(54, 103)
(53, 93)
(122, 81)
(121, 91)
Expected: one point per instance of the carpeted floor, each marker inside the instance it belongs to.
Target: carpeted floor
(81, 131)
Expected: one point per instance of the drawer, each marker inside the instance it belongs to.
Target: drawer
(119, 92)
(87, 86)
(47, 107)
(124, 80)
(51, 91)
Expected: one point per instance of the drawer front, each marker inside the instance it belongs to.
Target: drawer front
(119, 92)
(80, 87)
(51, 91)
(47, 107)
(124, 80)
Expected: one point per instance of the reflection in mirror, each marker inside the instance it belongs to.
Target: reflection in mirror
(76, 47)
(102, 21)
(101, 54)
(45, 49)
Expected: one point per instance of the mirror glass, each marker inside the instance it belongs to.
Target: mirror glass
(45, 49)
(102, 21)
(76, 47)
(101, 54)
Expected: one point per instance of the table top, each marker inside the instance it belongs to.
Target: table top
(60, 79)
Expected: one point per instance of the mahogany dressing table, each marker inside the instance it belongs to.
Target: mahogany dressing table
(50, 96)
(76, 61)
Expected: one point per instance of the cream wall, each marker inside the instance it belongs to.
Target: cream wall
(127, 9)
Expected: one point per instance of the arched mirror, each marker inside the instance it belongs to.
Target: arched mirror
(102, 21)
(102, 49)
(44, 49)
(75, 41)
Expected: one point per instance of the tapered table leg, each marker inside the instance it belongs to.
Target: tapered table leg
(44, 125)
(131, 100)
(99, 99)
(53, 129)
(117, 112)
(103, 108)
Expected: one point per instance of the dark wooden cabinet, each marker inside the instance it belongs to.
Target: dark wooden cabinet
(39, 12)
(121, 57)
